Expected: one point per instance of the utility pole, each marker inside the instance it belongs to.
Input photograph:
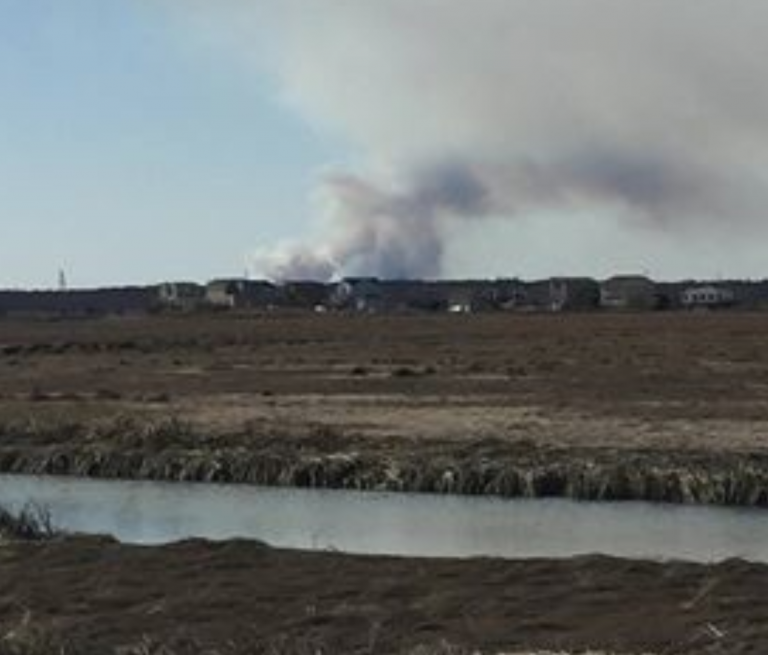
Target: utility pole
(62, 280)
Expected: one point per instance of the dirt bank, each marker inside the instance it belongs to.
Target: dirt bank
(101, 595)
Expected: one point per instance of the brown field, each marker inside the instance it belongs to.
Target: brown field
(681, 381)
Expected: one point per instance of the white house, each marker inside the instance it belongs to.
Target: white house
(707, 296)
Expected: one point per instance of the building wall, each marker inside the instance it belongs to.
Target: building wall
(629, 292)
(707, 296)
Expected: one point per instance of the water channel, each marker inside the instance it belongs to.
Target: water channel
(386, 523)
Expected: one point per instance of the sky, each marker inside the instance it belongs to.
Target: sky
(130, 153)
(152, 140)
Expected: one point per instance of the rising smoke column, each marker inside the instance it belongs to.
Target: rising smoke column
(650, 110)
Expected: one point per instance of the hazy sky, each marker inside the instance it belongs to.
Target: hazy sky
(144, 140)
(131, 151)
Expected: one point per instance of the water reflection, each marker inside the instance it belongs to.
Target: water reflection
(401, 524)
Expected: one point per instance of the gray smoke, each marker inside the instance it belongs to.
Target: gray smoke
(647, 110)
(398, 233)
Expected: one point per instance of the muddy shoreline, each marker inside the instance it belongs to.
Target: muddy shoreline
(173, 452)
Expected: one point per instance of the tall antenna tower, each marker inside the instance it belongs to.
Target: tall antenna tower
(62, 280)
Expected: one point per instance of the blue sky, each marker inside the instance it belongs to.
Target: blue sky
(129, 154)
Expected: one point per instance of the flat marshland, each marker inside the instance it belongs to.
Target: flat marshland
(665, 406)
(661, 406)
(677, 381)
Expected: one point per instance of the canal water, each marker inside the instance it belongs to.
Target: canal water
(387, 523)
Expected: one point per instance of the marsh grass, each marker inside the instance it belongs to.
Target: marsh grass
(330, 456)
(304, 646)
(28, 637)
(31, 523)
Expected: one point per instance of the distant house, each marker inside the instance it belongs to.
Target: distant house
(221, 293)
(669, 295)
(555, 294)
(181, 295)
(241, 293)
(573, 293)
(707, 296)
(303, 294)
(466, 296)
(361, 294)
(533, 296)
(412, 296)
(629, 292)
(509, 293)
(469, 296)
(370, 294)
(747, 294)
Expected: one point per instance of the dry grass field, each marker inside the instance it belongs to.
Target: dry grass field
(241, 598)
(652, 380)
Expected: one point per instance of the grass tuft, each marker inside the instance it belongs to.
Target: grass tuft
(30, 638)
(32, 523)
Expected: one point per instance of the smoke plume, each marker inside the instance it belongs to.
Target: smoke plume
(649, 110)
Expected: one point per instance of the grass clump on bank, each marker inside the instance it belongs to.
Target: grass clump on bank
(32, 523)
(327, 457)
